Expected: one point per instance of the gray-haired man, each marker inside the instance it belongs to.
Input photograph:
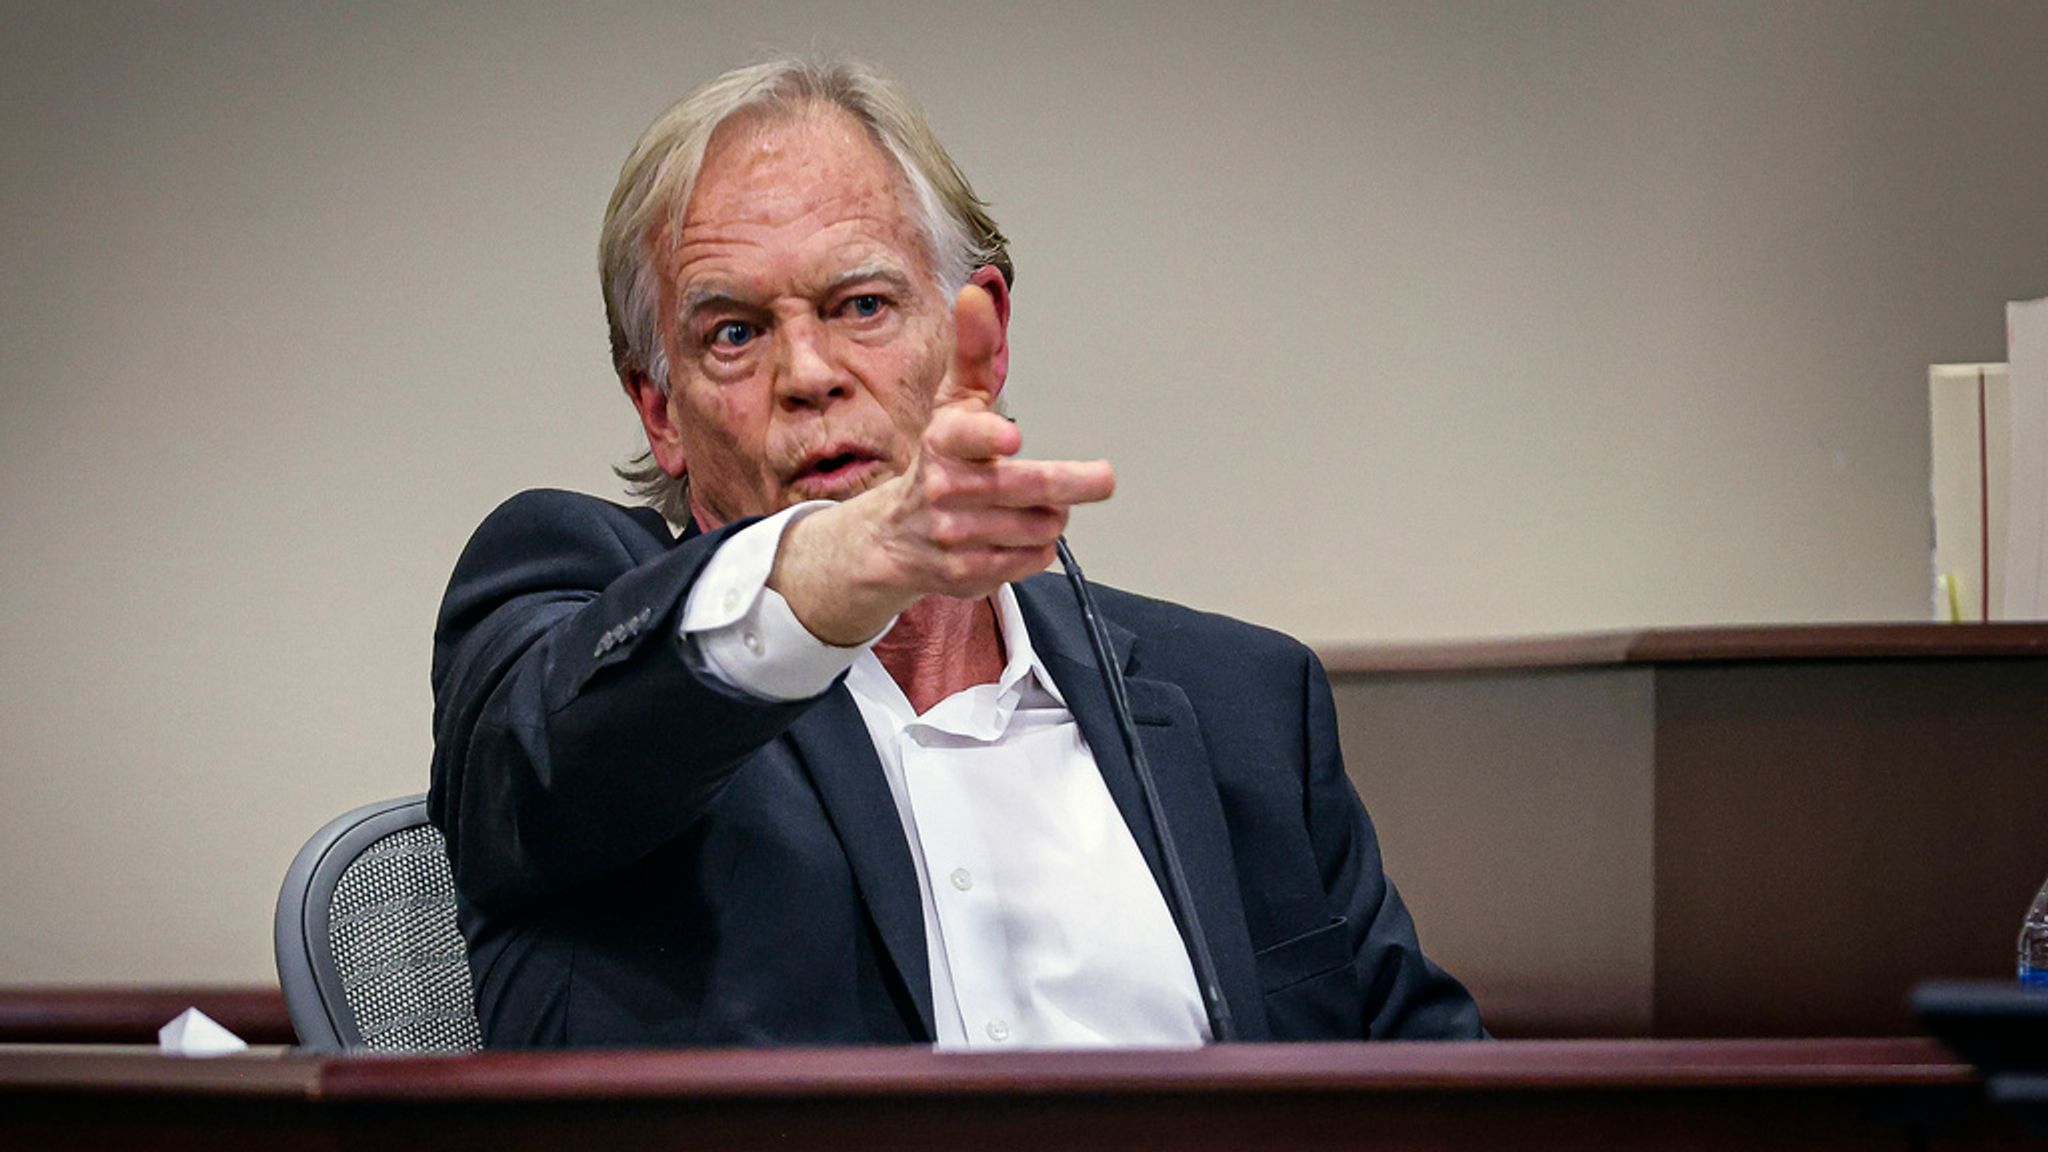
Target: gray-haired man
(836, 765)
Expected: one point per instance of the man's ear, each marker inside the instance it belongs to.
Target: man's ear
(657, 416)
(989, 280)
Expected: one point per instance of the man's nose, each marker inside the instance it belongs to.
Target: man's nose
(809, 374)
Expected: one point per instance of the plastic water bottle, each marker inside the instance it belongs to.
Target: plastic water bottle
(2034, 944)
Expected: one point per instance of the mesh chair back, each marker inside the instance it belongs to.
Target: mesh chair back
(368, 952)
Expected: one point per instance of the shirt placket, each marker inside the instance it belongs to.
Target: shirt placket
(956, 833)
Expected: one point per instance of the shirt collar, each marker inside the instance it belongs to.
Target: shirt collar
(988, 708)
(1023, 658)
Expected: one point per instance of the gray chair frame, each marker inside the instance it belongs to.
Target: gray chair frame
(314, 994)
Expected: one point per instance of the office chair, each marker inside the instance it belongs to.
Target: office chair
(367, 949)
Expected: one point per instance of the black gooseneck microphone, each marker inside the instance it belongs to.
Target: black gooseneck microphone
(1181, 901)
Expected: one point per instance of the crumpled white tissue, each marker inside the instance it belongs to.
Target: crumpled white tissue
(194, 1033)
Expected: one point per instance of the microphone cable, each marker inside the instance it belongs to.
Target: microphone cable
(1222, 1028)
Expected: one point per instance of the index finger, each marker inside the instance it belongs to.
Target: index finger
(1053, 483)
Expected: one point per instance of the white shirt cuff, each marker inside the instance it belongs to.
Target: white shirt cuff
(742, 633)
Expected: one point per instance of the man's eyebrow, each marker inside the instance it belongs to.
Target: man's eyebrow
(713, 296)
(878, 270)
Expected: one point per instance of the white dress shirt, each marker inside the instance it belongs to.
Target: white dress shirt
(1043, 925)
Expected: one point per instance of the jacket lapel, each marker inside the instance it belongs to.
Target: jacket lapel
(833, 742)
(1180, 769)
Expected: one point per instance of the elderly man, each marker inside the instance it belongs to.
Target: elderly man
(835, 764)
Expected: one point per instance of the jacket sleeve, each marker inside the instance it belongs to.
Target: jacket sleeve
(1407, 997)
(571, 738)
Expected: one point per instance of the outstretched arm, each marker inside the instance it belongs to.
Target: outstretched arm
(571, 736)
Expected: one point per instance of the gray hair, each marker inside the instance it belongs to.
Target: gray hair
(659, 175)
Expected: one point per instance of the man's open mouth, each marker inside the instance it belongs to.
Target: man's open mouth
(836, 463)
(839, 466)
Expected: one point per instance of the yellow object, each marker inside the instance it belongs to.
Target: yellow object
(1946, 586)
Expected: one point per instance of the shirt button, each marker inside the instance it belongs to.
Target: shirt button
(752, 641)
(998, 1031)
(963, 880)
(732, 599)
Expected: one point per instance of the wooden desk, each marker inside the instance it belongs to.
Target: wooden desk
(1709, 832)
(1811, 1094)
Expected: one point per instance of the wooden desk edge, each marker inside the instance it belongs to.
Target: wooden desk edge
(1696, 645)
(910, 1073)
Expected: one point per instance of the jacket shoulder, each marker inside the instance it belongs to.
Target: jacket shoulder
(538, 515)
(563, 532)
(549, 543)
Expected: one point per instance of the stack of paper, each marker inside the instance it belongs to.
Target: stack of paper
(1989, 452)
(2024, 595)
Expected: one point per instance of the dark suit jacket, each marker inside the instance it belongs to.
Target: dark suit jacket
(644, 857)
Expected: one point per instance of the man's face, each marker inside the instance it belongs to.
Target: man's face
(805, 331)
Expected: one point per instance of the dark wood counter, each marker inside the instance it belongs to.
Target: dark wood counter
(1877, 1093)
(1709, 832)
(1776, 643)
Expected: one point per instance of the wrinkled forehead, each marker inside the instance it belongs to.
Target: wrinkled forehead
(811, 164)
(819, 122)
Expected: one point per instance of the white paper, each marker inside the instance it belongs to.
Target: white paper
(2026, 576)
(194, 1033)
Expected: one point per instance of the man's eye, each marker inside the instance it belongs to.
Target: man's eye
(864, 306)
(733, 334)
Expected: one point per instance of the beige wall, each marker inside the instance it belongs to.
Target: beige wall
(1400, 322)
